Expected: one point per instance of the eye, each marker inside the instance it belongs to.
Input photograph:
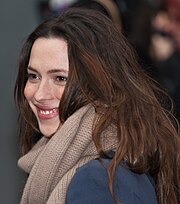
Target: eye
(33, 77)
(61, 80)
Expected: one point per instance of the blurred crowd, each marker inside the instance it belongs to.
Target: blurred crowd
(153, 29)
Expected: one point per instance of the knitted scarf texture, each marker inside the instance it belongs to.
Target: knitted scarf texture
(52, 163)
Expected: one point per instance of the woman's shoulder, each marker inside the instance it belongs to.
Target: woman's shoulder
(90, 185)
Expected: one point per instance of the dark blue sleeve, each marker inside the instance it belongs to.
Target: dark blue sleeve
(90, 186)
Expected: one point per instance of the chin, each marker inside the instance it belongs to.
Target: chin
(48, 130)
(48, 133)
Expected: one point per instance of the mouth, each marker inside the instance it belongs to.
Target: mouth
(47, 113)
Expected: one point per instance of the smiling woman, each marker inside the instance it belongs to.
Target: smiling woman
(92, 125)
(47, 75)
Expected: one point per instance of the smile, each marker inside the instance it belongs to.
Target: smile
(48, 114)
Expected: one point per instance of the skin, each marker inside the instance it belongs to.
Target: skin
(47, 75)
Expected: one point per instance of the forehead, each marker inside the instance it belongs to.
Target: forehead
(49, 53)
(51, 44)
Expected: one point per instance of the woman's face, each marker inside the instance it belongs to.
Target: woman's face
(47, 74)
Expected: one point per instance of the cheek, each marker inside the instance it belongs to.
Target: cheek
(28, 91)
(59, 92)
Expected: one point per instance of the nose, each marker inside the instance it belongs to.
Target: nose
(44, 91)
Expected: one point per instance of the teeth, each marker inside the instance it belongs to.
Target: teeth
(47, 112)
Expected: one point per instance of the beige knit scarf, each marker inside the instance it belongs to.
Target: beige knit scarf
(52, 163)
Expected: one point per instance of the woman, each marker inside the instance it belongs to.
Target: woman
(92, 125)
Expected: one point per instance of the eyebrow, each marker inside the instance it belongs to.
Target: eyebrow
(49, 71)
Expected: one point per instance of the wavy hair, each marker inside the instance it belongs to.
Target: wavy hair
(103, 67)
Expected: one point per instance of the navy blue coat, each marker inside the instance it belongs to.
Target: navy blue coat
(90, 186)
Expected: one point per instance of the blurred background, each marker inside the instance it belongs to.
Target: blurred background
(152, 27)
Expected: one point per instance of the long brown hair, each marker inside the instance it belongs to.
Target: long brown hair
(103, 68)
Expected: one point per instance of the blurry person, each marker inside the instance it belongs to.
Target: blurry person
(165, 48)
